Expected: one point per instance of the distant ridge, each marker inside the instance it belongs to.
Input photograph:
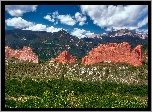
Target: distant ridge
(48, 45)
(121, 32)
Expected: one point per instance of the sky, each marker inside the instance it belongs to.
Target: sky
(77, 20)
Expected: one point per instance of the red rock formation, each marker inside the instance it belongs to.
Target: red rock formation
(26, 54)
(9, 52)
(115, 53)
(64, 57)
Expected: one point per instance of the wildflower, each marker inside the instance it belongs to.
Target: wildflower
(82, 72)
(90, 72)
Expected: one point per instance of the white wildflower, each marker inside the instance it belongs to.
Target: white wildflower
(82, 72)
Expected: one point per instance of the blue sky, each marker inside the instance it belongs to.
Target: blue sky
(78, 20)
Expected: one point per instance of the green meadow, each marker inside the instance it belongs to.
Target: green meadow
(53, 85)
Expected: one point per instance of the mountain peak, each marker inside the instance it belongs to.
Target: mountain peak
(124, 30)
(121, 32)
(62, 31)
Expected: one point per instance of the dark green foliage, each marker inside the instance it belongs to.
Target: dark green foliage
(10, 103)
(41, 61)
(56, 93)
(140, 90)
(145, 48)
(31, 103)
(134, 90)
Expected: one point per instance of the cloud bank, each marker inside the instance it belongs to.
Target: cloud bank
(20, 23)
(107, 17)
(67, 19)
(117, 17)
(80, 33)
(18, 10)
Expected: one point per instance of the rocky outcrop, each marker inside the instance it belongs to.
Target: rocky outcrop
(113, 52)
(25, 54)
(64, 57)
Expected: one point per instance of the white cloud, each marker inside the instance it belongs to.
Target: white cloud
(40, 27)
(80, 33)
(109, 29)
(52, 29)
(48, 17)
(116, 16)
(88, 33)
(55, 14)
(142, 31)
(66, 19)
(18, 10)
(18, 22)
(37, 27)
(56, 23)
(80, 18)
(81, 23)
(143, 22)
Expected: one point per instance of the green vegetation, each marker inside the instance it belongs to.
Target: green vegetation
(145, 48)
(53, 85)
(73, 94)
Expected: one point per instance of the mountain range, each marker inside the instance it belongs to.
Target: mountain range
(48, 45)
(121, 32)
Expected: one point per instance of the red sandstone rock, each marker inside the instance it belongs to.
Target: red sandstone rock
(65, 57)
(115, 53)
(26, 54)
(9, 52)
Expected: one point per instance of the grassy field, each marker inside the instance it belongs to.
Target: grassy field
(53, 85)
